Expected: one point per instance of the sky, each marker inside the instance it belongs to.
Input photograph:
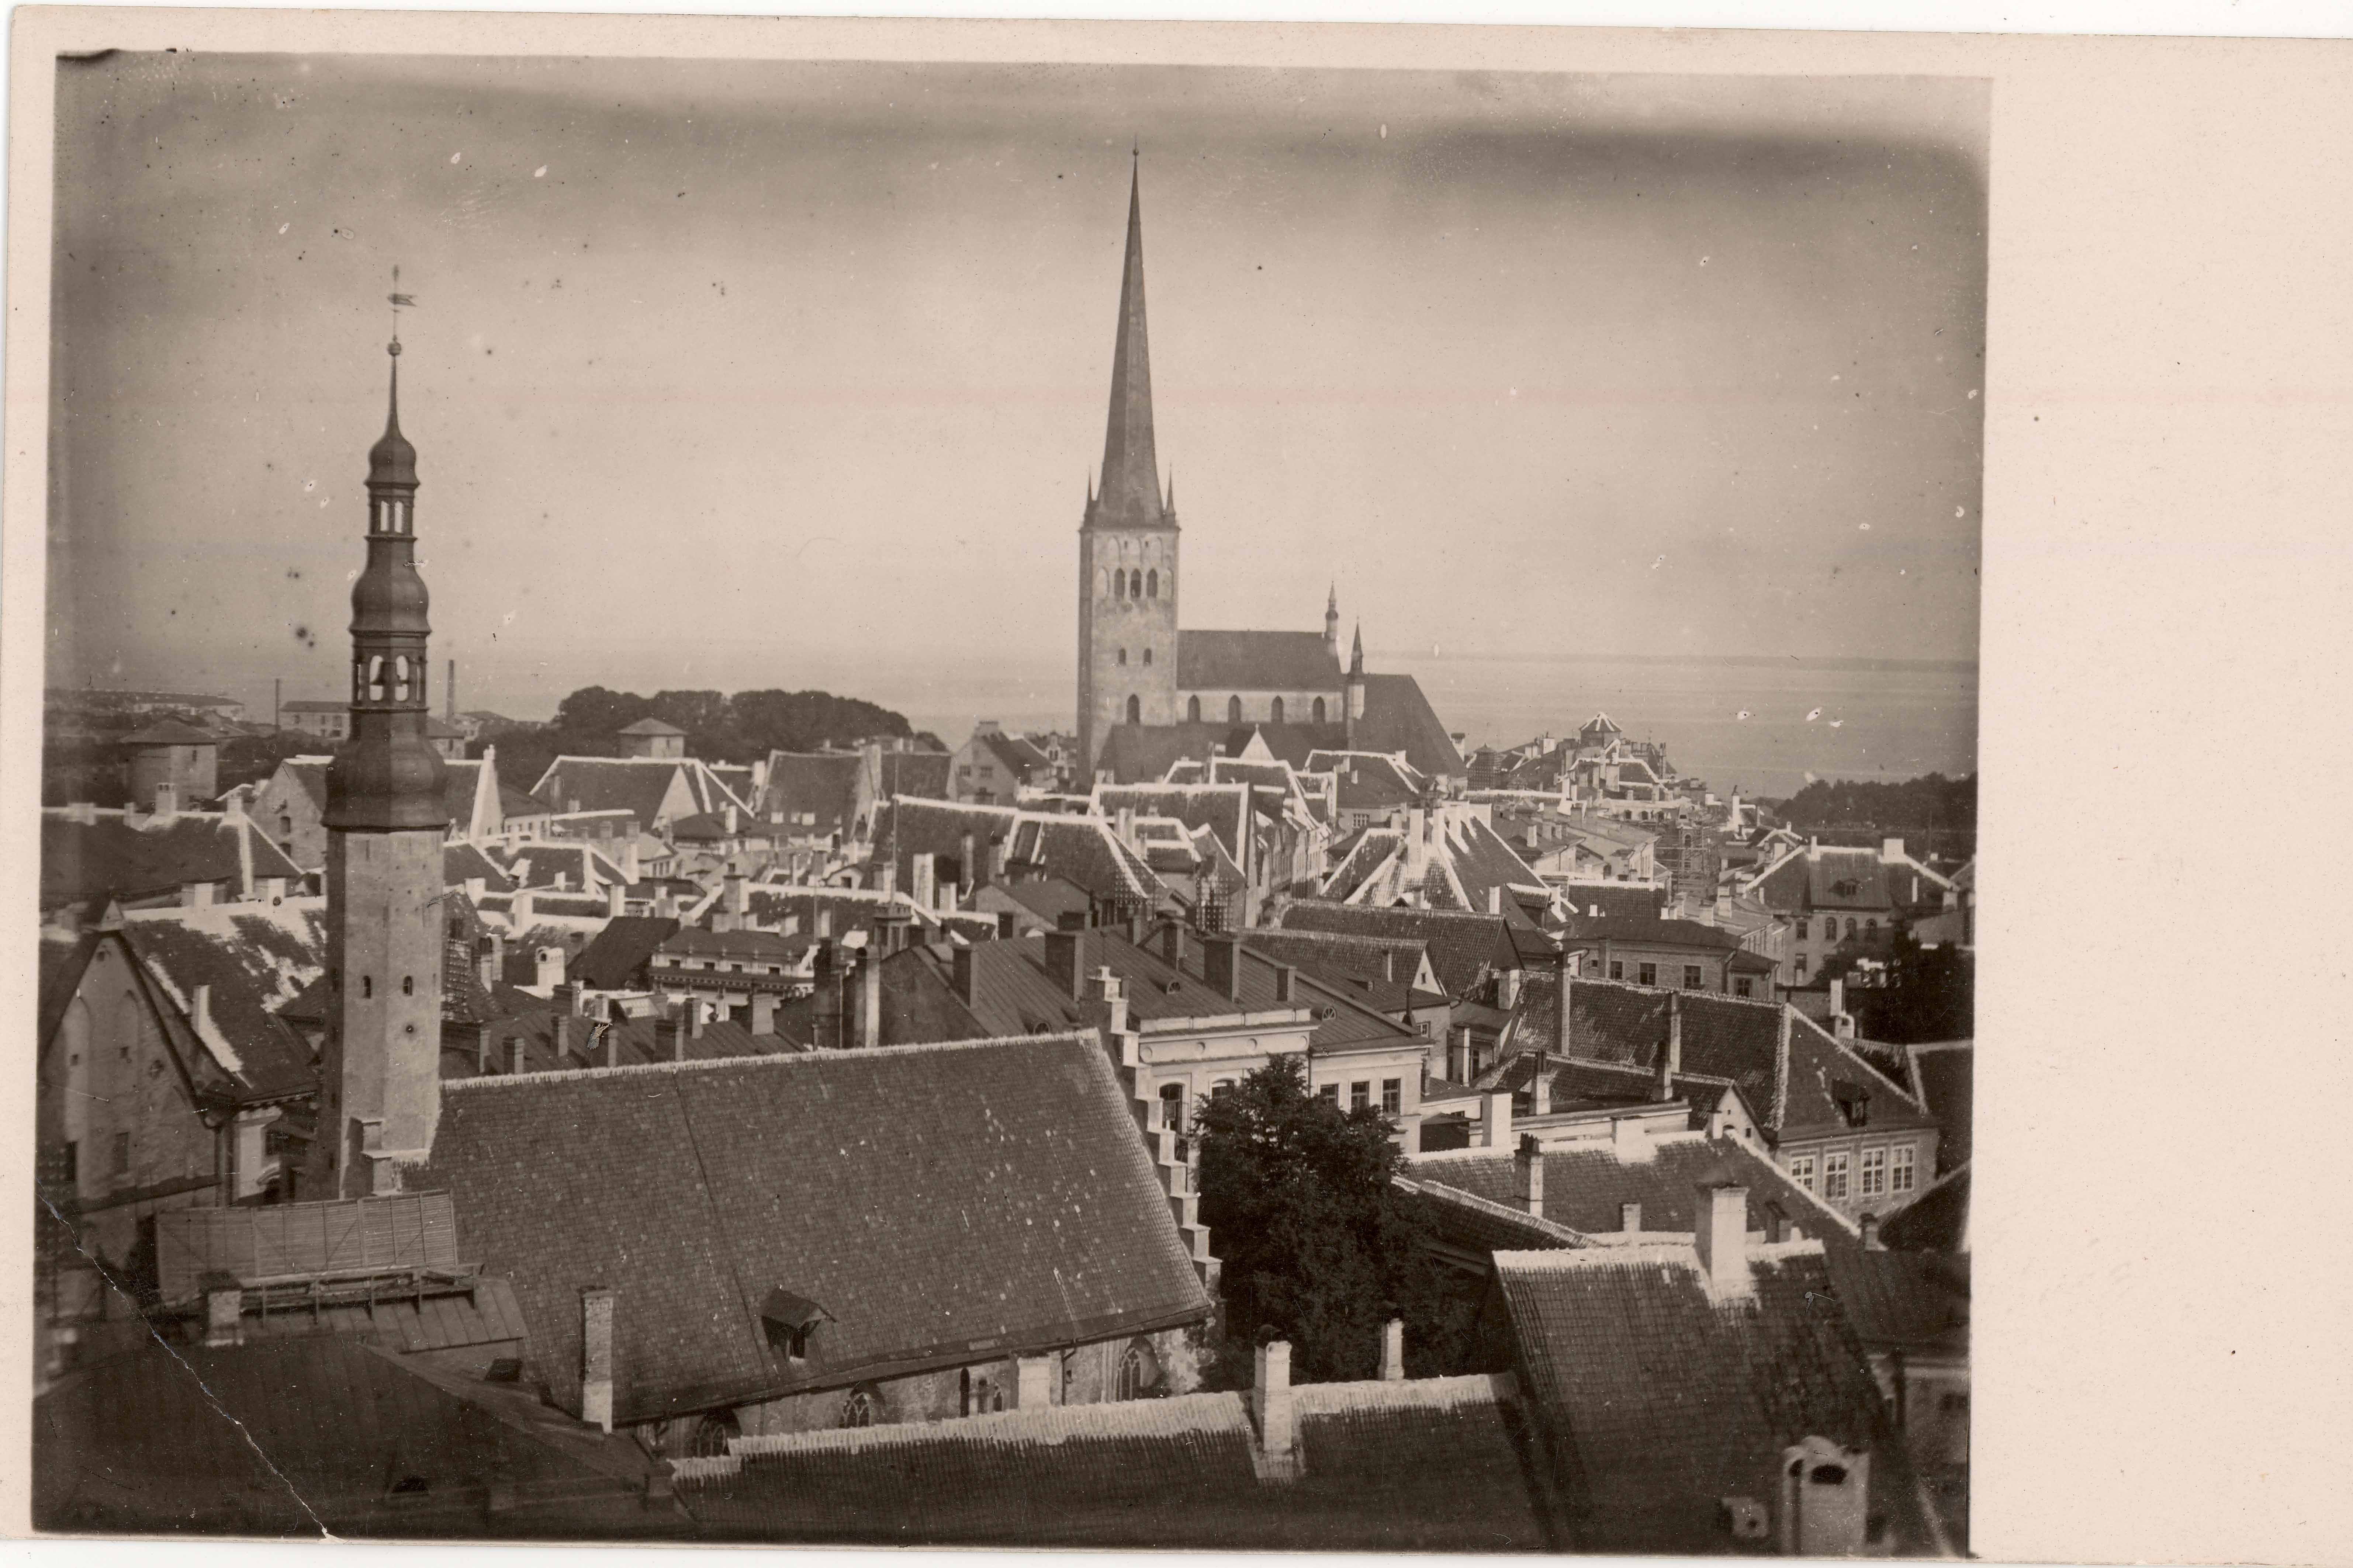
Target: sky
(752, 373)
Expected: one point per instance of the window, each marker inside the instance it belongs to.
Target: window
(367, 985)
(1135, 708)
(408, 986)
(1874, 1174)
(1801, 1171)
(860, 1408)
(1122, 656)
(1802, 966)
(1849, 928)
(1834, 1175)
(1135, 585)
(1223, 1088)
(1192, 710)
(1648, 973)
(1172, 1107)
(1900, 1174)
(1274, 710)
(1740, 986)
(982, 1393)
(1805, 928)
(1392, 1096)
(1152, 583)
(1691, 976)
(1139, 1368)
(1617, 969)
(1119, 584)
(1330, 1091)
(1360, 1096)
(712, 1433)
(1319, 709)
(1147, 656)
(1233, 710)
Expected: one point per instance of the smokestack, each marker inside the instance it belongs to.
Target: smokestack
(450, 692)
(1066, 962)
(1495, 1120)
(1670, 1055)
(1629, 1217)
(1528, 1161)
(967, 874)
(695, 1018)
(1540, 1087)
(923, 881)
(597, 1304)
(1221, 966)
(1564, 1026)
(763, 1014)
(1720, 1232)
(1271, 1399)
(869, 1000)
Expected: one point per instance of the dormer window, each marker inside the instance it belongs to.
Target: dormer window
(788, 1320)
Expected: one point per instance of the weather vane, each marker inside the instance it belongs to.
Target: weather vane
(398, 300)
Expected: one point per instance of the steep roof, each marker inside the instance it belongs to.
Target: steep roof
(1623, 904)
(1942, 1077)
(1221, 807)
(635, 785)
(940, 1202)
(1399, 718)
(1664, 1400)
(915, 772)
(253, 957)
(1082, 849)
(1432, 1465)
(1131, 472)
(1935, 1221)
(821, 784)
(1390, 960)
(1586, 1184)
(462, 862)
(1213, 662)
(1834, 878)
(1650, 930)
(616, 958)
(1463, 945)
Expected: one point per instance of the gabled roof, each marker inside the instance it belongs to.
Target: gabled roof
(82, 862)
(1834, 878)
(253, 957)
(635, 785)
(1942, 1077)
(1429, 1465)
(1390, 960)
(616, 958)
(1014, 751)
(1651, 931)
(1082, 849)
(1399, 718)
(1588, 1183)
(651, 726)
(538, 862)
(1215, 662)
(1664, 1400)
(1463, 945)
(1935, 1221)
(1623, 905)
(462, 862)
(942, 1203)
(915, 772)
(823, 785)
(1221, 807)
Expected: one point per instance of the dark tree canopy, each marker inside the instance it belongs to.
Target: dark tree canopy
(1318, 1246)
(1929, 802)
(1914, 994)
(718, 727)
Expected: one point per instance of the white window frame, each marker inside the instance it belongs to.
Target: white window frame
(1834, 1169)
(1801, 1171)
(1900, 1176)
(1871, 1176)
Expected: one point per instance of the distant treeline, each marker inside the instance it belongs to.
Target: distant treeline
(1925, 804)
(720, 727)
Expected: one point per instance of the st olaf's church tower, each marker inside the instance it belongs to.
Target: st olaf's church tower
(380, 1068)
(1127, 545)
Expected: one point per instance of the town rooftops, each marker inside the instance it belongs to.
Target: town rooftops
(818, 792)
(172, 733)
(89, 853)
(1588, 1184)
(1464, 946)
(1430, 1464)
(616, 957)
(941, 1203)
(1829, 876)
(312, 705)
(1651, 930)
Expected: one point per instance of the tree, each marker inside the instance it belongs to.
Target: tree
(1318, 1245)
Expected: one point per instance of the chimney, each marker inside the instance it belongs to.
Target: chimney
(1630, 1219)
(1671, 1055)
(1271, 1399)
(597, 1357)
(963, 975)
(548, 972)
(824, 922)
(923, 881)
(1564, 981)
(1123, 824)
(739, 896)
(482, 1051)
(695, 1018)
(1871, 1242)
(1172, 943)
(1221, 968)
(1720, 1232)
(967, 874)
(613, 895)
(669, 1037)
(1495, 899)
(1033, 1381)
(1890, 850)
(167, 799)
(196, 895)
(1507, 989)
(1066, 962)
(1393, 1350)
(1540, 1087)
(763, 1014)
(1285, 978)
(629, 865)
(1495, 1120)
(1528, 1162)
(612, 1045)
(1458, 1053)
(515, 1060)
(233, 806)
(869, 1000)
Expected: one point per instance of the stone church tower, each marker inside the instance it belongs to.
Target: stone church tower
(1127, 545)
(379, 1076)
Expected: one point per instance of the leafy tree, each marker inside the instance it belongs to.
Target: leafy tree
(1929, 802)
(1916, 993)
(1318, 1245)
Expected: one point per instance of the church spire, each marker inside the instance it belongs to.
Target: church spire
(1131, 468)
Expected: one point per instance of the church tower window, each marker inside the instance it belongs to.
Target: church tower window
(1274, 710)
(1233, 710)
(1147, 656)
(1319, 709)
(1135, 585)
(1152, 583)
(1192, 710)
(1122, 656)
(1135, 708)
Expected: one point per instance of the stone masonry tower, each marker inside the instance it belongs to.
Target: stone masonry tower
(379, 1078)
(1127, 545)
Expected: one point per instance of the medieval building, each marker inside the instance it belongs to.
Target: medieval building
(1150, 693)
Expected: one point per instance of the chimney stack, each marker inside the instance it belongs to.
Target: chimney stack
(1630, 1219)
(1172, 943)
(1495, 1120)
(1221, 968)
(1720, 1232)
(695, 1018)
(1871, 1242)
(963, 977)
(167, 800)
(869, 1000)
(614, 893)
(1393, 1350)
(1271, 1399)
(1529, 1158)
(1671, 1055)
(612, 1045)
(967, 874)
(923, 881)
(763, 1014)
(1458, 1053)
(515, 1063)
(597, 1304)
(1565, 983)
(1285, 976)
(483, 1050)
(669, 1037)
(1066, 962)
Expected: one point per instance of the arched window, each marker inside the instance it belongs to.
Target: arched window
(1233, 710)
(376, 679)
(1849, 928)
(400, 678)
(861, 1407)
(1134, 709)
(1147, 656)
(712, 1433)
(1139, 1368)
(1192, 710)
(1152, 583)
(1122, 656)
(367, 985)
(1871, 928)
(1319, 709)
(1118, 584)
(1274, 710)
(1135, 585)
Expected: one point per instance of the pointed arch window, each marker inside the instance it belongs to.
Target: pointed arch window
(1319, 709)
(1274, 710)
(1233, 710)
(1139, 1368)
(1152, 583)
(1192, 710)
(1135, 585)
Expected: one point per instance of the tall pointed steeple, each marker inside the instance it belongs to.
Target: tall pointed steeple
(1131, 468)
(1331, 624)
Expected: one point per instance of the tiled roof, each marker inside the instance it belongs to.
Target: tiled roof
(1943, 1076)
(1662, 1400)
(850, 909)
(254, 957)
(538, 862)
(1651, 931)
(1399, 718)
(1393, 960)
(1019, 757)
(1841, 878)
(1586, 1184)
(1463, 946)
(651, 726)
(108, 857)
(1935, 1221)
(940, 1202)
(1383, 1467)
(1220, 662)
(922, 773)
(171, 733)
(635, 1042)
(462, 862)
(616, 958)
(322, 1433)
(756, 946)
(1620, 903)
(823, 785)
(1082, 849)
(1480, 1223)
(636, 785)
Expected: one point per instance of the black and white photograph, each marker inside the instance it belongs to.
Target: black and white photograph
(1147, 806)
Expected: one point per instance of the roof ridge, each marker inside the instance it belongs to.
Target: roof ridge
(1411, 1393)
(1047, 1423)
(1446, 1193)
(505, 1080)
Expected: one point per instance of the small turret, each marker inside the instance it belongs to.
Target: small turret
(1331, 624)
(1356, 690)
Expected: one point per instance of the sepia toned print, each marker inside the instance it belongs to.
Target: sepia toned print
(723, 1003)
